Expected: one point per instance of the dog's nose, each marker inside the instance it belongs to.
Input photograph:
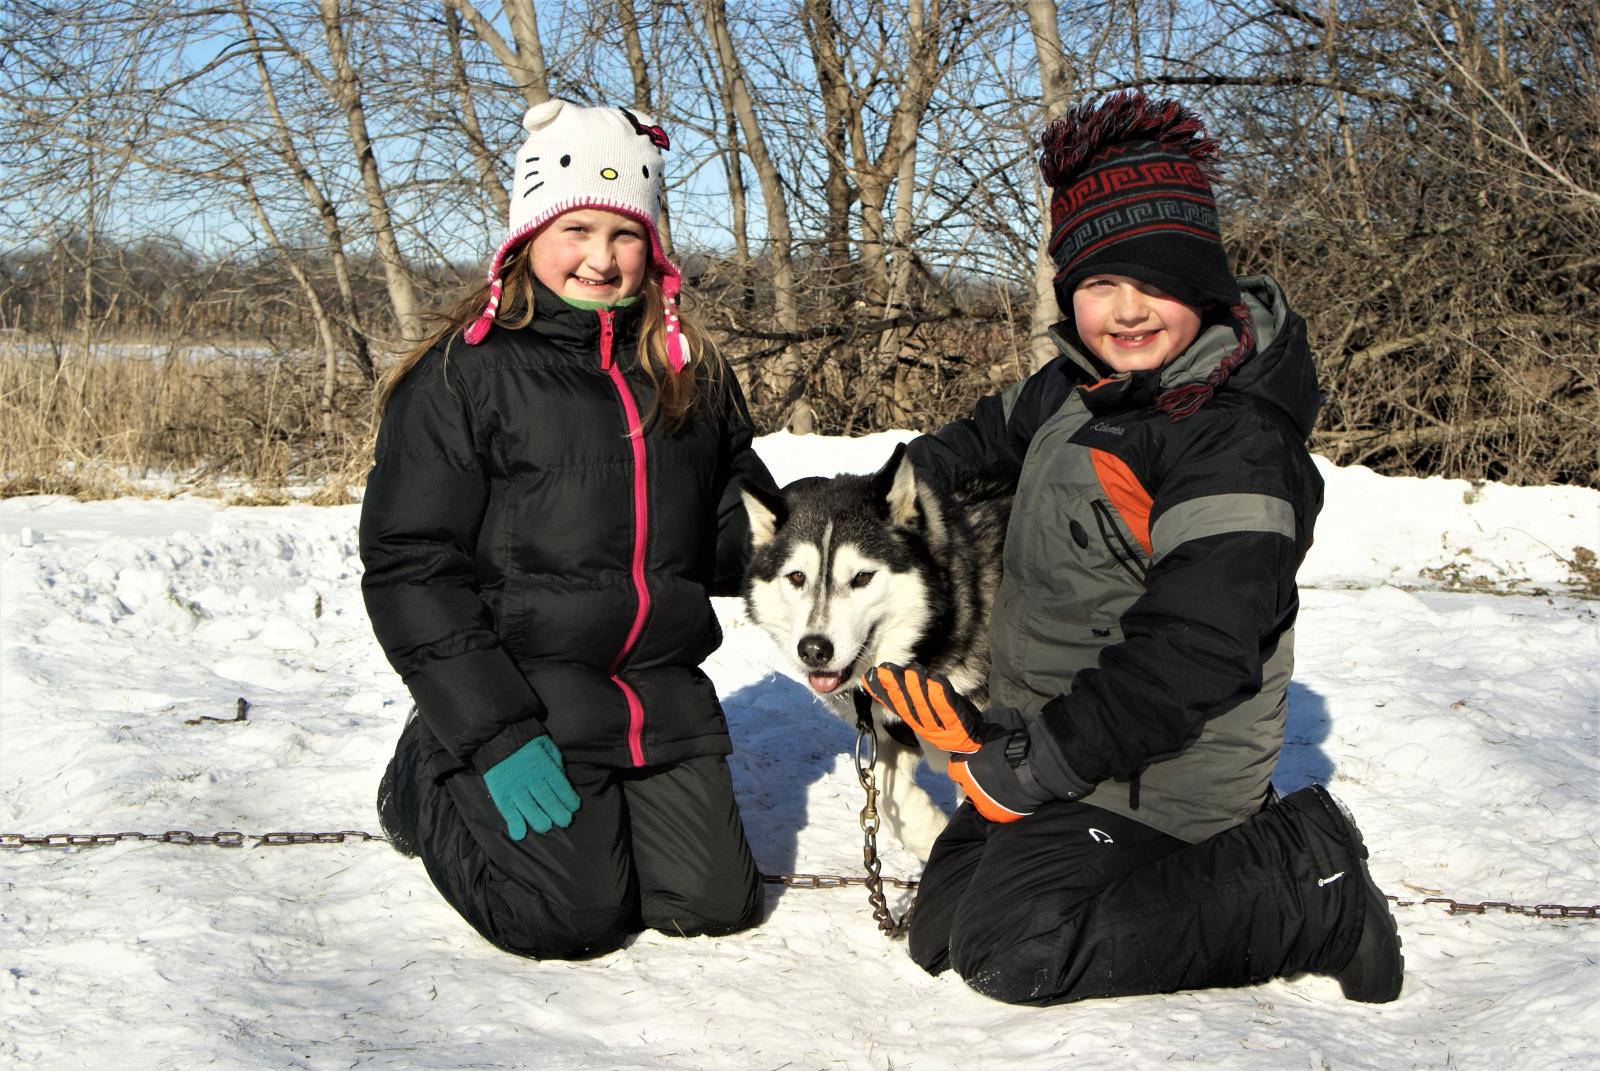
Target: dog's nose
(816, 651)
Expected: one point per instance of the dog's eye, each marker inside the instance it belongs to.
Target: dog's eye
(797, 578)
(862, 579)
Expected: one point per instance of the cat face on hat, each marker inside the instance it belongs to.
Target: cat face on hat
(577, 157)
(588, 158)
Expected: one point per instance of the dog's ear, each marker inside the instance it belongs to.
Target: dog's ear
(767, 511)
(910, 502)
(889, 477)
(901, 493)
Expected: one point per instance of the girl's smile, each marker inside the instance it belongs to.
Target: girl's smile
(591, 254)
(1130, 325)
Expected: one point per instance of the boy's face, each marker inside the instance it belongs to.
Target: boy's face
(1130, 325)
(592, 255)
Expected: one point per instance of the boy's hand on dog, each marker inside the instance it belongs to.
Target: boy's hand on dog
(531, 789)
(989, 754)
(933, 709)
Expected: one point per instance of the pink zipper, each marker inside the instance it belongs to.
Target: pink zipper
(641, 530)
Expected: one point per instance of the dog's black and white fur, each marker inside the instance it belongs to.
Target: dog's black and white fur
(854, 570)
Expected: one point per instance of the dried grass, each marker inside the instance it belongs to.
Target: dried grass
(207, 419)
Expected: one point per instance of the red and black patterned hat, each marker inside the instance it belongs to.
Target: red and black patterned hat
(1130, 182)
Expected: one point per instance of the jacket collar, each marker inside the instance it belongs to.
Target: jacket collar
(1281, 372)
(558, 321)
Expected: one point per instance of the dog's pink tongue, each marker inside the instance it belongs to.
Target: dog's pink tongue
(825, 682)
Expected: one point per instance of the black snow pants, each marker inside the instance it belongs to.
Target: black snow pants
(660, 848)
(1074, 902)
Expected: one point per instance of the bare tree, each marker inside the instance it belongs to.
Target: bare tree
(783, 378)
(320, 204)
(643, 91)
(1056, 83)
(833, 90)
(522, 56)
(867, 229)
(1434, 220)
(345, 85)
(484, 159)
(910, 79)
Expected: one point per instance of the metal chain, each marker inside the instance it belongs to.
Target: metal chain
(866, 758)
(1537, 911)
(233, 839)
(834, 881)
(874, 881)
(226, 839)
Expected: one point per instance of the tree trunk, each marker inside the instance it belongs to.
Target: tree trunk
(90, 229)
(822, 32)
(886, 243)
(487, 163)
(523, 57)
(319, 313)
(402, 294)
(1055, 77)
(784, 380)
(332, 231)
(643, 95)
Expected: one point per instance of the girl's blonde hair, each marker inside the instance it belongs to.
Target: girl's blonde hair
(676, 392)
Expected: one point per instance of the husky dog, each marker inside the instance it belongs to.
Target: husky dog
(852, 571)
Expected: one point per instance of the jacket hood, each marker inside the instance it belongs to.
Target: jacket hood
(1280, 371)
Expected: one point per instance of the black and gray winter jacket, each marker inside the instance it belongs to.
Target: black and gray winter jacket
(533, 568)
(1144, 626)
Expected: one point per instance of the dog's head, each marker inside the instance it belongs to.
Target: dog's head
(841, 567)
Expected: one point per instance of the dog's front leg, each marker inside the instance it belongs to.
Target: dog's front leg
(909, 812)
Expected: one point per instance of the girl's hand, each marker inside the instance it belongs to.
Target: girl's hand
(531, 789)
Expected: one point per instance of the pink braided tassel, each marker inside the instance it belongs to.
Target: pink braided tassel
(675, 357)
(475, 333)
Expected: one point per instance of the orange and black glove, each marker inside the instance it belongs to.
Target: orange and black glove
(988, 755)
(935, 711)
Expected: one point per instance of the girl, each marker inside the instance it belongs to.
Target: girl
(1121, 833)
(552, 502)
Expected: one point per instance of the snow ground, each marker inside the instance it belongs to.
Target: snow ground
(1448, 690)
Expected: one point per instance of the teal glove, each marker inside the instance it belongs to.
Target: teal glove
(531, 789)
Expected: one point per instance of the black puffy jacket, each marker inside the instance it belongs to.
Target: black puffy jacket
(532, 567)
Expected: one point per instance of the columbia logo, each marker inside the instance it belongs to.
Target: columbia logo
(1330, 879)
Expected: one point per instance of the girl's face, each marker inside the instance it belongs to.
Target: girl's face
(590, 254)
(1130, 325)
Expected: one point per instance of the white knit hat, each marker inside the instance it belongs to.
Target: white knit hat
(577, 157)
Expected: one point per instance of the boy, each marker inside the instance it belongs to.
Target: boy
(1120, 833)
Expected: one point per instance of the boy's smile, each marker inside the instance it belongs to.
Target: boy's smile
(1130, 325)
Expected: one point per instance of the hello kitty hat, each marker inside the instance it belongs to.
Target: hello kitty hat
(577, 157)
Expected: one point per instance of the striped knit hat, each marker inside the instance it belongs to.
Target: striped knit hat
(1131, 195)
(577, 157)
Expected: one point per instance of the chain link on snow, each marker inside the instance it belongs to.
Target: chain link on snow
(226, 839)
(874, 882)
(1482, 907)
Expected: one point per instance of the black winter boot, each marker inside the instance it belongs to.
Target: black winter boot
(1375, 971)
(397, 823)
(394, 830)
